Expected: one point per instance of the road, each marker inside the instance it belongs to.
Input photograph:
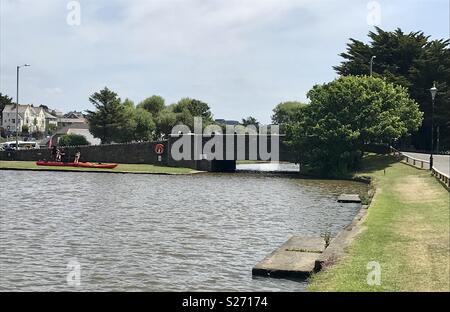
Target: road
(441, 162)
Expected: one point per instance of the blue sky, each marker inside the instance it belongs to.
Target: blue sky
(242, 57)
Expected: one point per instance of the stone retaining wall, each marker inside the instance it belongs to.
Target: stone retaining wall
(136, 153)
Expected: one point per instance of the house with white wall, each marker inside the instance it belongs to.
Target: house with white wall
(32, 117)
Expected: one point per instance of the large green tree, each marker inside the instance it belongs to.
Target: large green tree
(187, 109)
(346, 114)
(144, 125)
(286, 112)
(109, 121)
(154, 104)
(165, 121)
(116, 121)
(413, 61)
(194, 107)
(250, 121)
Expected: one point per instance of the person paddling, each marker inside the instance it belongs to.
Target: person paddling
(54, 152)
(58, 154)
(77, 156)
(63, 155)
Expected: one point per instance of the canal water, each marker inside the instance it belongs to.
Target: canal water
(199, 232)
(268, 167)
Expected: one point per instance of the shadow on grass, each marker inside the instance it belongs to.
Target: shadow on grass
(375, 162)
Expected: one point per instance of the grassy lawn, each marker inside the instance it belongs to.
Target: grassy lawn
(406, 231)
(125, 168)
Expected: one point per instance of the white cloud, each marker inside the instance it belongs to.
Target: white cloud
(155, 28)
(53, 91)
(241, 56)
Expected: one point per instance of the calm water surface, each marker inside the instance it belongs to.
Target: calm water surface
(269, 167)
(157, 233)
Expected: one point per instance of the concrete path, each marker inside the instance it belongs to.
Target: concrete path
(349, 198)
(295, 258)
(441, 162)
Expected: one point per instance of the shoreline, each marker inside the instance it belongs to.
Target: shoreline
(389, 237)
(142, 169)
(100, 171)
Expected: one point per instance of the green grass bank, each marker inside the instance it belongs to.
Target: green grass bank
(406, 231)
(121, 168)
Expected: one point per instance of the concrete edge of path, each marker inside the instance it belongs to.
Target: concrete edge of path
(338, 245)
(337, 248)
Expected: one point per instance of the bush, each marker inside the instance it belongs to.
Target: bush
(347, 115)
(38, 135)
(51, 129)
(25, 129)
(73, 140)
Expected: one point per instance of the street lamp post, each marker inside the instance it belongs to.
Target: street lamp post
(433, 92)
(17, 106)
(371, 64)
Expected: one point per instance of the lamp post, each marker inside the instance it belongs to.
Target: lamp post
(17, 106)
(371, 64)
(433, 92)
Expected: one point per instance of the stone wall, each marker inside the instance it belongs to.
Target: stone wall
(136, 153)
(133, 153)
(144, 153)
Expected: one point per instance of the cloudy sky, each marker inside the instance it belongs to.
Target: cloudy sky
(240, 56)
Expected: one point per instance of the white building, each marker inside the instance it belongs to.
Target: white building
(80, 129)
(50, 120)
(32, 117)
(71, 122)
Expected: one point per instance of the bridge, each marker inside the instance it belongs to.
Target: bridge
(219, 153)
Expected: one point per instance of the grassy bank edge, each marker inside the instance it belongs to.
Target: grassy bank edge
(345, 276)
(121, 168)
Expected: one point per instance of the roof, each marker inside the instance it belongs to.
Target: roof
(12, 108)
(72, 120)
(74, 114)
(22, 108)
(67, 129)
(227, 122)
(49, 116)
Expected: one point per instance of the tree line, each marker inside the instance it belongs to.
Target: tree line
(114, 120)
(330, 133)
(120, 121)
(414, 61)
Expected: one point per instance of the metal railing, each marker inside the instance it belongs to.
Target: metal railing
(444, 178)
(422, 164)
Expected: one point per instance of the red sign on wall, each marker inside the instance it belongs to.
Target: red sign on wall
(159, 148)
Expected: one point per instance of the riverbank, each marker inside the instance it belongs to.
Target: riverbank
(121, 168)
(406, 231)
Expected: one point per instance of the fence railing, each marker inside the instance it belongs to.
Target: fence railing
(416, 162)
(423, 164)
(444, 178)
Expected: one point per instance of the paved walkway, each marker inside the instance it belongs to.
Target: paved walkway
(441, 162)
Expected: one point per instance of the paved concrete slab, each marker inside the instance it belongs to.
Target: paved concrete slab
(349, 198)
(295, 258)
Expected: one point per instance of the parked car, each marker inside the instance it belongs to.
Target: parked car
(23, 145)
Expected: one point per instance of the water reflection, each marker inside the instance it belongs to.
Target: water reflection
(269, 167)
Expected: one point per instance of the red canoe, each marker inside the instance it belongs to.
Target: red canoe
(80, 164)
